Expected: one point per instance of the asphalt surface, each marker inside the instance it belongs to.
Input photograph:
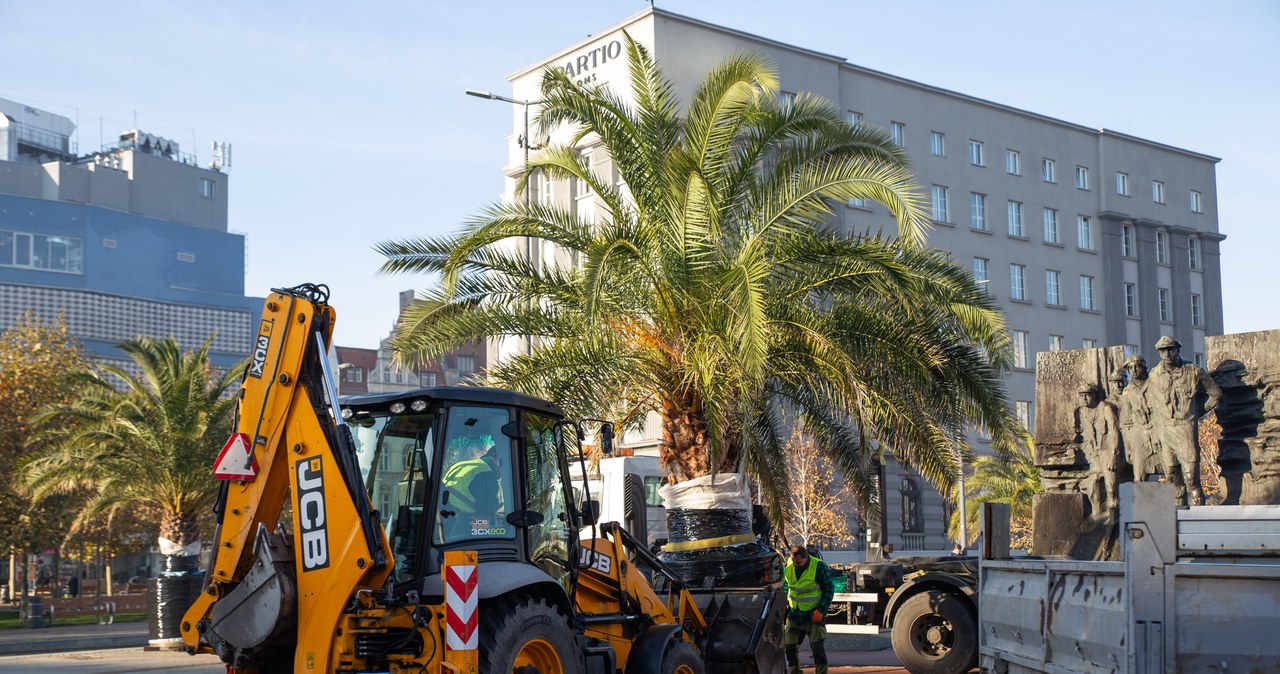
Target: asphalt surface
(119, 648)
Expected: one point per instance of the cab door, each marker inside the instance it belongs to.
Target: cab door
(551, 541)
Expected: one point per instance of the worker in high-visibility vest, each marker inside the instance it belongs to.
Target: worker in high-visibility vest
(473, 484)
(809, 593)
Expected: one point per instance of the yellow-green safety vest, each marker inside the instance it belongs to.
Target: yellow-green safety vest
(459, 478)
(803, 593)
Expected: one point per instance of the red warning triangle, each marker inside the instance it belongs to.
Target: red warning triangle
(236, 460)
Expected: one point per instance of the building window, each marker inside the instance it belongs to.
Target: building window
(1017, 282)
(107, 243)
(41, 251)
(910, 492)
(1055, 342)
(1023, 409)
(427, 379)
(208, 188)
(546, 189)
(1089, 343)
(1086, 293)
(1047, 171)
(1082, 178)
(1196, 206)
(1193, 253)
(1053, 288)
(1021, 345)
(1012, 162)
(897, 132)
(980, 265)
(1199, 359)
(1051, 225)
(1162, 247)
(352, 374)
(940, 212)
(1084, 233)
(858, 202)
(1166, 313)
(978, 210)
(466, 363)
(937, 144)
(1122, 184)
(1130, 299)
(1015, 218)
(1128, 244)
(975, 153)
(1157, 191)
(855, 118)
(1197, 310)
(581, 187)
(186, 257)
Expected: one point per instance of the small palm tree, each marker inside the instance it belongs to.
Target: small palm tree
(714, 289)
(146, 436)
(1012, 479)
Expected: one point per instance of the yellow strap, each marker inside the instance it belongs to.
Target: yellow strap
(684, 546)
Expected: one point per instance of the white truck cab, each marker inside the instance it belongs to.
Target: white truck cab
(626, 487)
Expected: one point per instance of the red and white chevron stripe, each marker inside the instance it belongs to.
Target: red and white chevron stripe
(461, 600)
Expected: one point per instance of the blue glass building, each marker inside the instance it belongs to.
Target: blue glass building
(131, 240)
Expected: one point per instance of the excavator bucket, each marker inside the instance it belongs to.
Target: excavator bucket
(744, 629)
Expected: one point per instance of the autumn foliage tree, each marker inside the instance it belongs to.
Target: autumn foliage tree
(35, 358)
(821, 502)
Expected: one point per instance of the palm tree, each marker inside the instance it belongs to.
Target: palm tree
(715, 291)
(1012, 479)
(147, 435)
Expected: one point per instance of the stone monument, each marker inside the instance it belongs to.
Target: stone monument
(1102, 419)
(1246, 367)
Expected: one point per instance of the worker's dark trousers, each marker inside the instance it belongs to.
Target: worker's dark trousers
(819, 649)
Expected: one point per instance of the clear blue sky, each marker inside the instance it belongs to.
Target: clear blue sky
(349, 122)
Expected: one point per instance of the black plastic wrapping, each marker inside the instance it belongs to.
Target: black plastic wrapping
(177, 587)
(742, 565)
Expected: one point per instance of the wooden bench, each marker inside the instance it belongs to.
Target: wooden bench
(102, 607)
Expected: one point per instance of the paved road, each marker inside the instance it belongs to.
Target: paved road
(128, 660)
(112, 661)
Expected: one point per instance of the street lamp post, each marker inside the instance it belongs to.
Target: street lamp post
(524, 143)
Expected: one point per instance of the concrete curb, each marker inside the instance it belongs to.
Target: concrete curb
(74, 643)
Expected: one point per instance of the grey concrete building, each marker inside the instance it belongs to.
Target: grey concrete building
(1086, 237)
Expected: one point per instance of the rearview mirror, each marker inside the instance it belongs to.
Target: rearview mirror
(606, 438)
(590, 512)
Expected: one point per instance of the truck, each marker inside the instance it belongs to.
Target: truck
(435, 530)
(926, 605)
(1197, 590)
(626, 487)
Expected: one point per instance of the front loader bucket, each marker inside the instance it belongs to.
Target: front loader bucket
(744, 629)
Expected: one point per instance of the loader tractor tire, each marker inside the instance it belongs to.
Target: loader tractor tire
(935, 633)
(525, 635)
(682, 658)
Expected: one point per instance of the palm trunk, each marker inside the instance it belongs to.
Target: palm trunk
(709, 521)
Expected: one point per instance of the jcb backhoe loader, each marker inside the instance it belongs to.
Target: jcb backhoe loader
(434, 531)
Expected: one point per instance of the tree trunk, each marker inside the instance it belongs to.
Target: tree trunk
(685, 447)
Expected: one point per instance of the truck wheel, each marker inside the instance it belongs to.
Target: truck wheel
(681, 658)
(524, 635)
(935, 633)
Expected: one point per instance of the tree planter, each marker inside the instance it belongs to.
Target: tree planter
(709, 529)
(172, 593)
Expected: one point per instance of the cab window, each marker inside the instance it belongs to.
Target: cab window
(475, 494)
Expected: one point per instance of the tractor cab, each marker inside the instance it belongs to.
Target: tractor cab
(467, 468)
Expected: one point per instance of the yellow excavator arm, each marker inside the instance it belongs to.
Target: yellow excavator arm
(297, 540)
